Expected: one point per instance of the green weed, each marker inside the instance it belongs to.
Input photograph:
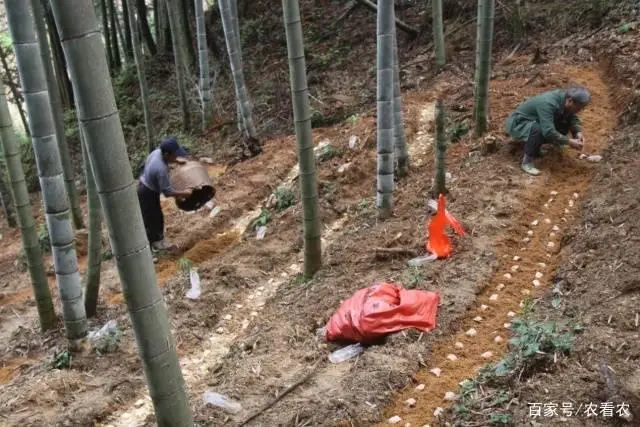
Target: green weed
(60, 360)
(262, 220)
(184, 265)
(285, 198)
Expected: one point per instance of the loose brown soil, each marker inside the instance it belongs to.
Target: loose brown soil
(252, 332)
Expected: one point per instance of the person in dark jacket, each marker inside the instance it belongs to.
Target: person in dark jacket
(153, 181)
(548, 118)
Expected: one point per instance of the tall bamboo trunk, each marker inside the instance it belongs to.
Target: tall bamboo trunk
(33, 78)
(145, 28)
(30, 243)
(58, 116)
(438, 32)
(14, 89)
(233, 4)
(190, 52)
(142, 77)
(177, 38)
(439, 184)
(100, 123)
(483, 63)
(156, 16)
(235, 60)
(384, 59)
(302, 123)
(115, 46)
(399, 137)
(203, 57)
(128, 42)
(5, 197)
(119, 35)
(59, 64)
(164, 28)
(94, 255)
(107, 34)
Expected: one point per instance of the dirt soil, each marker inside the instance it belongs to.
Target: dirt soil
(252, 333)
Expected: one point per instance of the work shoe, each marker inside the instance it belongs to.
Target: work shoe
(530, 169)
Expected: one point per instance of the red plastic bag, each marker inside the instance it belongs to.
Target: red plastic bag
(381, 309)
(438, 242)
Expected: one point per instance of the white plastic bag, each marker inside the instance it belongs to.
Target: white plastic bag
(221, 401)
(195, 291)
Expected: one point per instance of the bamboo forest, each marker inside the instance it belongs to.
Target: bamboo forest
(319, 213)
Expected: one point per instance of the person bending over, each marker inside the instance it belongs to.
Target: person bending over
(548, 118)
(153, 181)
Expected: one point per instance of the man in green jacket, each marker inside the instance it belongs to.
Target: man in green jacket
(548, 118)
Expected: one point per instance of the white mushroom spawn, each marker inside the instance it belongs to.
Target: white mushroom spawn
(436, 371)
(450, 396)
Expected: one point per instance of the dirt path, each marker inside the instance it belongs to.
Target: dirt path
(528, 257)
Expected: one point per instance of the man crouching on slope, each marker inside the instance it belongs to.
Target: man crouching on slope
(153, 181)
(548, 118)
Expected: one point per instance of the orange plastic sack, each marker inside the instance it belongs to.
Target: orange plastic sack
(381, 309)
(438, 242)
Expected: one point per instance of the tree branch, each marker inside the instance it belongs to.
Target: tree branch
(404, 27)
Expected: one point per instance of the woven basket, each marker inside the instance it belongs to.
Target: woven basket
(194, 176)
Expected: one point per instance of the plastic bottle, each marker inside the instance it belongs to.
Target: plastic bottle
(346, 353)
(417, 262)
(222, 402)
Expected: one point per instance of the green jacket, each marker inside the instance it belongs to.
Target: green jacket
(546, 109)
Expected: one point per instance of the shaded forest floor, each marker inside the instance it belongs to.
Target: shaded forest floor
(252, 332)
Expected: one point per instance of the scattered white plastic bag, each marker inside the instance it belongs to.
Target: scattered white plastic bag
(260, 232)
(195, 291)
(353, 142)
(346, 353)
(105, 339)
(222, 402)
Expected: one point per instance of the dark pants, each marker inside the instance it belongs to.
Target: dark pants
(533, 144)
(151, 213)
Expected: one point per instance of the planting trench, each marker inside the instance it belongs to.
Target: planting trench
(528, 255)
